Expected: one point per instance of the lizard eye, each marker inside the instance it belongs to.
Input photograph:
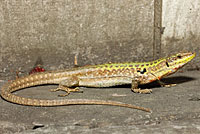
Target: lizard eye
(179, 56)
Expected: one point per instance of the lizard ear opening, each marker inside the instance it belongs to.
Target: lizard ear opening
(167, 64)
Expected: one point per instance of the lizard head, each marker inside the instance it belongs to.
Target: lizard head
(166, 66)
(178, 60)
(170, 65)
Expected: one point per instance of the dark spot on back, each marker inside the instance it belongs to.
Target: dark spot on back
(143, 71)
(137, 65)
(138, 69)
(113, 70)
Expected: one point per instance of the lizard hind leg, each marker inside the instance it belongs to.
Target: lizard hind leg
(66, 89)
(66, 84)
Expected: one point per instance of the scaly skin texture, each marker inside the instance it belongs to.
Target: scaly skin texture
(104, 75)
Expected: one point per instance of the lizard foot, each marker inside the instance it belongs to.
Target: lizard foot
(166, 85)
(143, 91)
(66, 89)
(169, 85)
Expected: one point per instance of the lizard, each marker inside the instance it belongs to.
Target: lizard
(103, 75)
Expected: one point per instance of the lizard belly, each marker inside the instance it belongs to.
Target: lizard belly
(105, 81)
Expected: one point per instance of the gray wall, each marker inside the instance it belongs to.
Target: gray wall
(181, 19)
(93, 30)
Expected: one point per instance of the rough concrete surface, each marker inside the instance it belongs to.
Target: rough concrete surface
(175, 110)
(57, 30)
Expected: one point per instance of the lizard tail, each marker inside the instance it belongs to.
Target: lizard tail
(6, 93)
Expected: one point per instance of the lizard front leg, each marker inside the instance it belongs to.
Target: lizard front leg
(135, 89)
(162, 83)
(165, 85)
(65, 85)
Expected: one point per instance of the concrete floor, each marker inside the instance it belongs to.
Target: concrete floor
(175, 110)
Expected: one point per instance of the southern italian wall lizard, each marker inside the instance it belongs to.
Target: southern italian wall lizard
(104, 75)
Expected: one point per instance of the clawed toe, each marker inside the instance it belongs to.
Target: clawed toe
(143, 91)
(169, 85)
(66, 89)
